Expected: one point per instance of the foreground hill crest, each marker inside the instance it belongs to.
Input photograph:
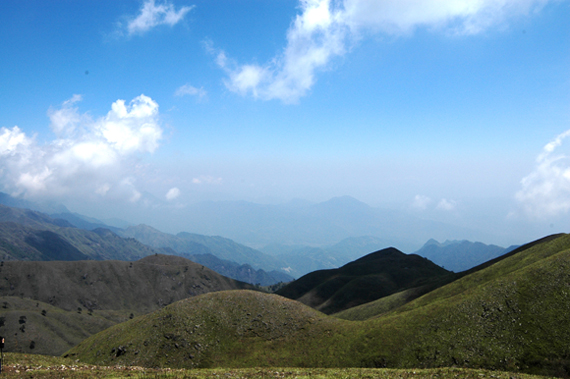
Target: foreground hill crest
(512, 315)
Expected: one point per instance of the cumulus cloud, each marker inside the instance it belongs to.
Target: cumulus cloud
(87, 155)
(324, 28)
(172, 193)
(545, 191)
(187, 89)
(152, 15)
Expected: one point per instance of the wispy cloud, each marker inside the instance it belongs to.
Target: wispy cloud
(87, 156)
(324, 28)
(172, 194)
(424, 203)
(187, 89)
(545, 191)
(446, 205)
(152, 14)
(207, 179)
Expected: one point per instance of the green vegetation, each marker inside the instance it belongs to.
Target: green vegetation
(45, 367)
(66, 302)
(511, 316)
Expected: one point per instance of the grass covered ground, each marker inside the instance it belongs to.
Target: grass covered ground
(512, 316)
(48, 367)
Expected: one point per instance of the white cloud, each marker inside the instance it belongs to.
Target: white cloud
(88, 156)
(172, 193)
(152, 15)
(12, 141)
(545, 191)
(207, 179)
(132, 128)
(322, 29)
(65, 120)
(446, 205)
(421, 202)
(187, 89)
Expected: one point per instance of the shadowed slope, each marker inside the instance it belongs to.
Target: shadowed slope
(371, 277)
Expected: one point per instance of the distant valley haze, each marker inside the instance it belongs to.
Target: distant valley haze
(292, 123)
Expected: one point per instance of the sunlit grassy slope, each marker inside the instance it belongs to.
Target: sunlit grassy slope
(48, 307)
(513, 315)
(388, 303)
(48, 367)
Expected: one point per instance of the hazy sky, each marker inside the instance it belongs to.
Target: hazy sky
(455, 110)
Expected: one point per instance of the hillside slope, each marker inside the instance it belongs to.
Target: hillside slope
(109, 290)
(513, 315)
(225, 329)
(371, 277)
(386, 304)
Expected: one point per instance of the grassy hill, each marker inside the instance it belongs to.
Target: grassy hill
(369, 278)
(84, 297)
(226, 329)
(513, 315)
(389, 303)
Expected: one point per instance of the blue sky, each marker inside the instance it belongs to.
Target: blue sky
(454, 110)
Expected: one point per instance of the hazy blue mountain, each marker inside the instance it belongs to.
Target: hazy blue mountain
(34, 236)
(244, 272)
(304, 259)
(195, 244)
(56, 211)
(30, 218)
(312, 224)
(459, 256)
(83, 222)
(44, 207)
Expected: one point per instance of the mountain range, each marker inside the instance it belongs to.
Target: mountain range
(459, 256)
(313, 224)
(509, 314)
(62, 287)
(275, 259)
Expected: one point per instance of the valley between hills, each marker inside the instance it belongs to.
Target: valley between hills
(134, 297)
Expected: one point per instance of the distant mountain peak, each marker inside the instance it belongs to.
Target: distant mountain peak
(432, 241)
